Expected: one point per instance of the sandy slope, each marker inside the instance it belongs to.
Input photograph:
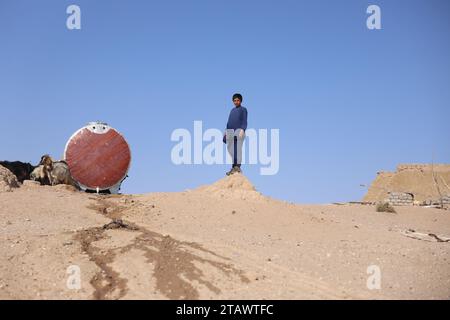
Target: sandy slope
(219, 241)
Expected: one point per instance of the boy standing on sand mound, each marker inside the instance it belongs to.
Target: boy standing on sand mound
(235, 133)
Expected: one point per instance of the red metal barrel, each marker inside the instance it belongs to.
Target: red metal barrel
(98, 156)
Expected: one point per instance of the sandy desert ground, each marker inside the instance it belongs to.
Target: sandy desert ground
(220, 241)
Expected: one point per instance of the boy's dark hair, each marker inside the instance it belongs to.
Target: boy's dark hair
(237, 95)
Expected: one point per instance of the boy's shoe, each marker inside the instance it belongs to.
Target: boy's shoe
(235, 169)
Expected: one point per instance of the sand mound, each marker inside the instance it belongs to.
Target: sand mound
(234, 186)
(411, 178)
(8, 180)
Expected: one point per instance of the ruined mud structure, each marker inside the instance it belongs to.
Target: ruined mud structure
(412, 184)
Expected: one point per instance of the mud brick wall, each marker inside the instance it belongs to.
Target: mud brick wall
(437, 201)
(401, 199)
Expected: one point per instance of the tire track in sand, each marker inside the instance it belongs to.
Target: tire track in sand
(174, 261)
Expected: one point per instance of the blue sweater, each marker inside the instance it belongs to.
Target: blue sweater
(237, 118)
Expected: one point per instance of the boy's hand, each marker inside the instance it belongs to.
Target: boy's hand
(241, 134)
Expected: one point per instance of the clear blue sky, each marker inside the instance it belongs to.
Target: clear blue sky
(348, 101)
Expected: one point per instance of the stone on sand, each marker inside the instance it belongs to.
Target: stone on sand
(8, 180)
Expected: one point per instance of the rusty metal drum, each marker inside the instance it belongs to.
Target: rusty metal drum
(98, 157)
